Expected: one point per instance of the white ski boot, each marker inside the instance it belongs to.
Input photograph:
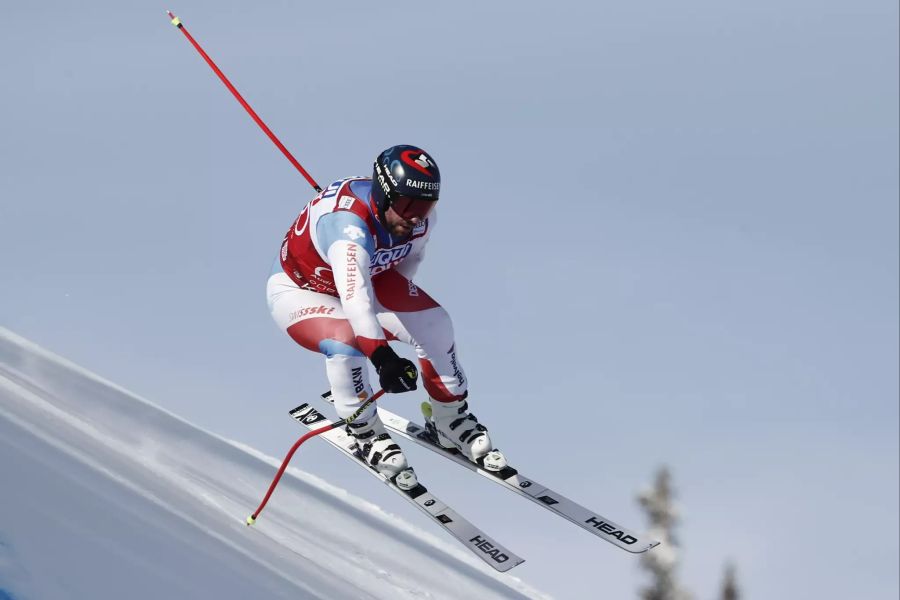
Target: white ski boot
(375, 446)
(455, 428)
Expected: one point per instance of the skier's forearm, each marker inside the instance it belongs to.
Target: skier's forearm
(350, 265)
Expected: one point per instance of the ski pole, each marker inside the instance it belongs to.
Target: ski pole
(287, 459)
(177, 23)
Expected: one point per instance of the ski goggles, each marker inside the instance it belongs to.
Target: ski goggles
(409, 208)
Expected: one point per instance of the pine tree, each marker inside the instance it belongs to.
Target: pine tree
(662, 561)
(729, 584)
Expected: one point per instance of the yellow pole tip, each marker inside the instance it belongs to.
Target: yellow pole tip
(250, 520)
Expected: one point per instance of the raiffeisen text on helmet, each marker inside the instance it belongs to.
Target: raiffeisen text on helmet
(423, 185)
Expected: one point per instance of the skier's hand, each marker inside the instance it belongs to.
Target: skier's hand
(397, 375)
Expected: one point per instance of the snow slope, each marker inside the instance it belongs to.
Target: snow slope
(104, 495)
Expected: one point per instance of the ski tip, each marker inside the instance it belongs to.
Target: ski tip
(507, 565)
(641, 549)
(250, 520)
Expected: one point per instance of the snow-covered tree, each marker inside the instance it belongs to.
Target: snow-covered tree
(662, 561)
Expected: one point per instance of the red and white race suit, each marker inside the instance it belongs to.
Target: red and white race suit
(343, 286)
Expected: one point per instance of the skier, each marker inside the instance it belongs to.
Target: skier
(343, 286)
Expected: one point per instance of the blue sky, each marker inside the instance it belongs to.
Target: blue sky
(669, 234)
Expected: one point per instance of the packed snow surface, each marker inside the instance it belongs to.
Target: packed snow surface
(104, 495)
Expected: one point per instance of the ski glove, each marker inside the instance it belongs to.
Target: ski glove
(397, 375)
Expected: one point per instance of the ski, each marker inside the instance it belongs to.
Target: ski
(524, 486)
(479, 543)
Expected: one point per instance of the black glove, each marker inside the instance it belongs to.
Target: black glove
(397, 375)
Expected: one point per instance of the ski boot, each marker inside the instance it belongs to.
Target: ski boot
(453, 427)
(375, 446)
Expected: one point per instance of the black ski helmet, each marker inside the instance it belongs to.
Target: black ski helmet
(407, 178)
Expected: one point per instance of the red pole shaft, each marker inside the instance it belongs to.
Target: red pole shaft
(177, 22)
(287, 459)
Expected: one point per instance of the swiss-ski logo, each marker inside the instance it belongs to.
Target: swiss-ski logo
(353, 232)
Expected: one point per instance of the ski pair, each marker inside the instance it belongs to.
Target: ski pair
(514, 481)
(511, 479)
(474, 539)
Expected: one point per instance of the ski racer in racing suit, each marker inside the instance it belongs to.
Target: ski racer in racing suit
(343, 287)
